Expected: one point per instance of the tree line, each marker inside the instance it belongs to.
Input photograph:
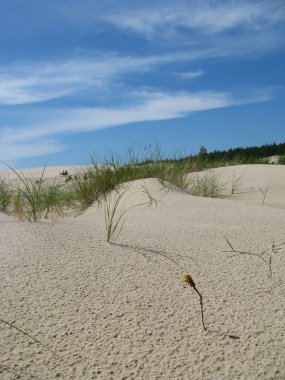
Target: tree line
(244, 154)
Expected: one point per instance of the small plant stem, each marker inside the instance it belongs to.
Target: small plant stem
(30, 336)
(264, 191)
(268, 263)
(189, 280)
(114, 223)
(201, 303)
(270, 266)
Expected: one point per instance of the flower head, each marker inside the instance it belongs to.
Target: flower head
(188, 279)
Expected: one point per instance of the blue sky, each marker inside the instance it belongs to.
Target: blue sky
(90, 77)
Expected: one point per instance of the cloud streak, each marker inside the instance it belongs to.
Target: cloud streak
(38, 82)
(40, 137)
(191, 74)
(207, 17)
(28, 83)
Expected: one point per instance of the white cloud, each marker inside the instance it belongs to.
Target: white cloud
(29, 83)
(207, 16)
(42, 137)
(213, 28)
(191, 74)
(148, 106)
(23, 83)
(148, 17)
(17, 90)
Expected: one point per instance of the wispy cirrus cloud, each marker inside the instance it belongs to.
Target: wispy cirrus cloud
(219, 29)
(23, 83)
(43, 137)
(149, 18)
(207, 17)
(147, 106)
(36, 82)
(19, 90)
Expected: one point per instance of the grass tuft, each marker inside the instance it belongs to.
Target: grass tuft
(35, 198)
(236, 183)
(113, 223)
(205, 184)
(5, 195)
(114, 213)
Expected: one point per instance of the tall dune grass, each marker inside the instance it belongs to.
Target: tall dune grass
(34, 198)
(206, 184)
(115, 209)
(5, 195)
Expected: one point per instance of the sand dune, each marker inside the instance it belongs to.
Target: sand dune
(121, 311)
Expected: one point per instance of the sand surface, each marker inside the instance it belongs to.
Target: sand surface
(121, 311)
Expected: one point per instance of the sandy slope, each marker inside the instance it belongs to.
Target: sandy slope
(120, 311)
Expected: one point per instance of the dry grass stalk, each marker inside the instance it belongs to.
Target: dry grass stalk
(114, 221)
(265, 256)
(29, 336)
(264, 190)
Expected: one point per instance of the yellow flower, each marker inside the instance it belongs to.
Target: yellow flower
(188, 279)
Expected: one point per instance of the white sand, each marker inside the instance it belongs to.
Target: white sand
(122, 312)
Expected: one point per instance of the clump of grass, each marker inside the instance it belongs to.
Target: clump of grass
(114, 213)
(53, 199)
(18, 205)
(88, 185)
(264, 190)
(30, 196)
(5, 195)
(152, 164)
(34, 198)
(281, 160)
(205, 184)
(189, 280)
(176, 173)
(236, 183)
(113, 223)
(265, 256)
(84, 188)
